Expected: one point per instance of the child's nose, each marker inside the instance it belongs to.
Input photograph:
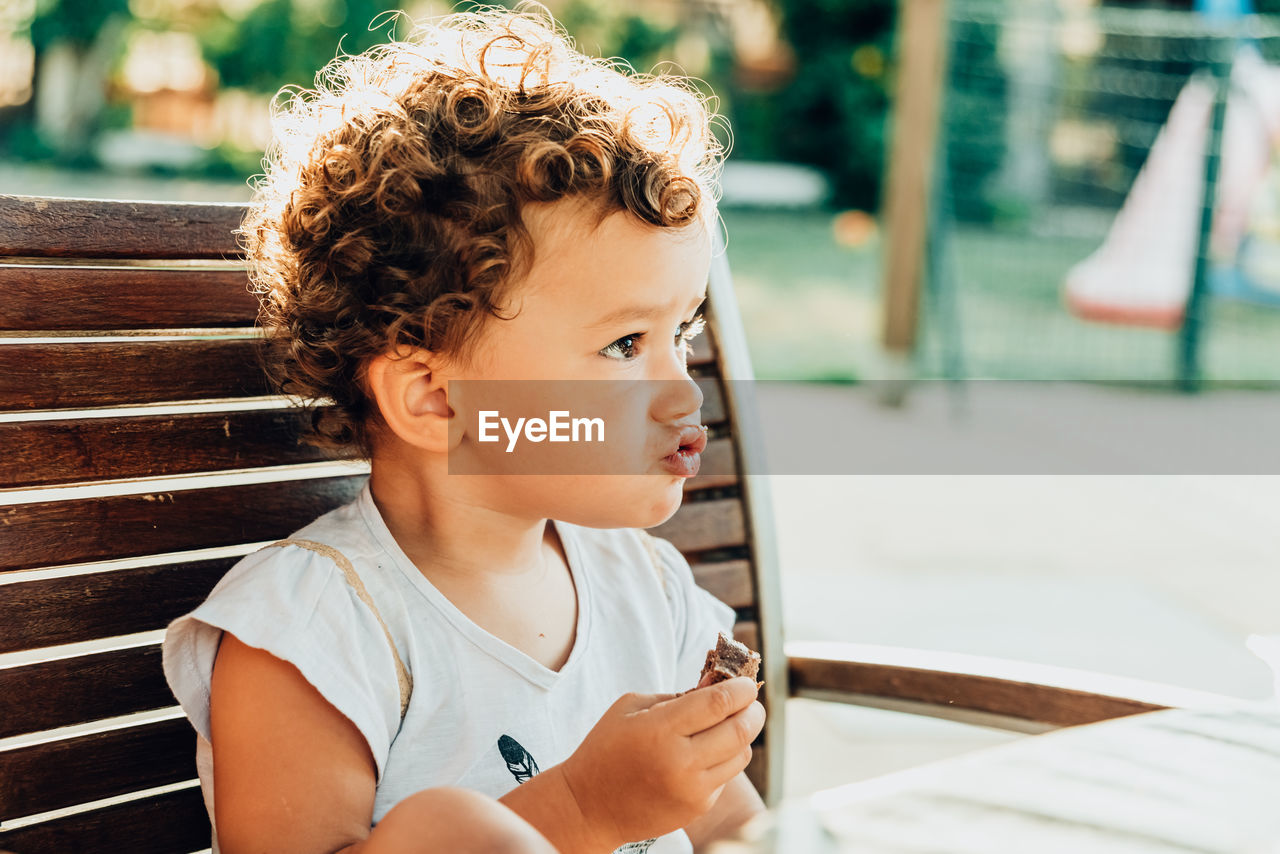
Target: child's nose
(676, 400)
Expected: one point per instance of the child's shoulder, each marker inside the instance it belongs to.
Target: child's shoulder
(299, 566)
(295, 604)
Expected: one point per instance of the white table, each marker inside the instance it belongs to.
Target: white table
(1174, 781)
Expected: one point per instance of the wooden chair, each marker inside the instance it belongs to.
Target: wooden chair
(120, 509)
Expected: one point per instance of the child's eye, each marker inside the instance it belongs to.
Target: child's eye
(624, 349)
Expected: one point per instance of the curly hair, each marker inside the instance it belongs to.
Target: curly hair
(389, 214)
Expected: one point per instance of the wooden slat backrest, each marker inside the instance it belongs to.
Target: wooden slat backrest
(137, 437)
(124, 297)
(75, 374)
(174, 820)
(34, 227)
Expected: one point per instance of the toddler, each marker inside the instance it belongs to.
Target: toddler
(484, 662)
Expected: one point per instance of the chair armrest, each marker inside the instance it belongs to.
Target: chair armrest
(993, 692)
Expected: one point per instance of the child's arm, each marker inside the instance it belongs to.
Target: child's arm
(292, 774)
(737, 804)
(547, 802)
(651, 765)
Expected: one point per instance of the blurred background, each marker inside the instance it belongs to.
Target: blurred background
(918, 192)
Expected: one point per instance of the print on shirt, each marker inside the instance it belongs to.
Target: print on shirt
(519, 762)
(522, 766)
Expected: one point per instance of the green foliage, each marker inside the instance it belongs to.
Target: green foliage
(227, 161)
(832, 113)
(20, 141)
(606, 31)
(285, 42)
(974, 120)
(77, 21)
(643, 43)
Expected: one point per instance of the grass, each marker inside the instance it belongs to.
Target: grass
(809, 305)
(811, 309)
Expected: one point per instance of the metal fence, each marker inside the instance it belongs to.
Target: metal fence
(1106, 199)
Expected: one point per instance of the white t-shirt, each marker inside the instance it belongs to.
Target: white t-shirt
(481, 715)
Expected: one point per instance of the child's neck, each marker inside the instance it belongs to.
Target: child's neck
(448, 535)
(509, 575)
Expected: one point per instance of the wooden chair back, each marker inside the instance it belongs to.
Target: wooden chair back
(142, 455)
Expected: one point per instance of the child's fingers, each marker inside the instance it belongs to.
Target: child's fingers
(721, 774)
(637, 702)
(727, 738)
(695, 711)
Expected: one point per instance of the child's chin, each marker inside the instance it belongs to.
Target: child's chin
(633, 514)
(660, 510)
(655, 519)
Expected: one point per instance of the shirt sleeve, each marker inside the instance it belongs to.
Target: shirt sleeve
(697, 616)
(296, 605)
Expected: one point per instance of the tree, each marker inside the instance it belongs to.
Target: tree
(76, 44)
(832, 113)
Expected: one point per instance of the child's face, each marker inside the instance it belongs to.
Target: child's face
(574, 320)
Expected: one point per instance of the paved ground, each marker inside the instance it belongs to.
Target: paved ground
(1156, 577)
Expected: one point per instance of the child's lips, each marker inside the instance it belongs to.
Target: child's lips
(686, 459)
(693, 438)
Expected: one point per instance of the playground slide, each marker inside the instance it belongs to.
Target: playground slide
(1142, 274)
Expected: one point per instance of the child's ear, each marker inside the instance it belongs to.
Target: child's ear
(412, 397)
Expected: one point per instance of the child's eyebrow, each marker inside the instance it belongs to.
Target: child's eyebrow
(639, 312)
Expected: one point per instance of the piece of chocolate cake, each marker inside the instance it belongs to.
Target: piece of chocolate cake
(727, 660)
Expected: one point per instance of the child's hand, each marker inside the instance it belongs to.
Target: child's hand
(655, 762)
